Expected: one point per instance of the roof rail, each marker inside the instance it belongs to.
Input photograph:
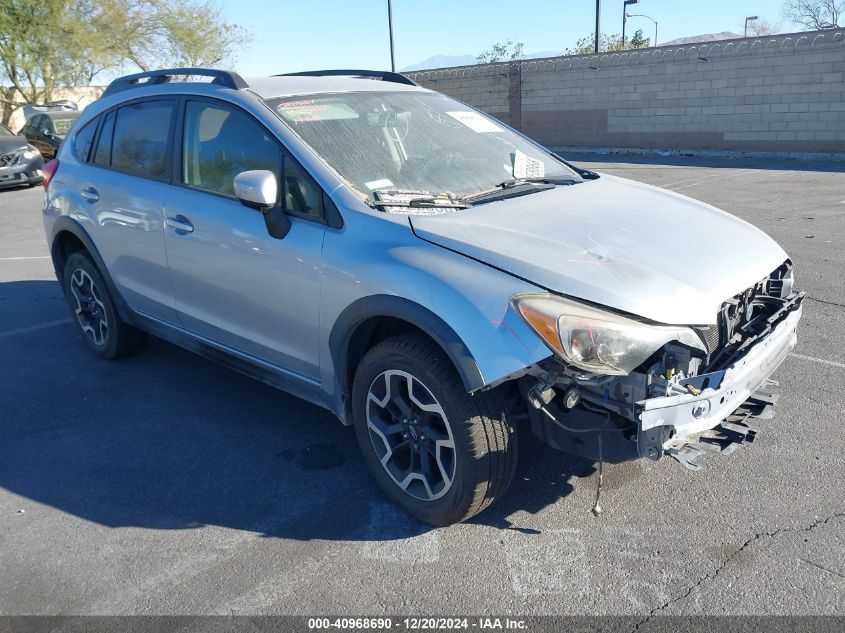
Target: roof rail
(225, 78)
(384, 75)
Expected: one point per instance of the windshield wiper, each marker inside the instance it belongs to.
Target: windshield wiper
(514, 182)
(414, 200)
(509, 189)
(420, 203)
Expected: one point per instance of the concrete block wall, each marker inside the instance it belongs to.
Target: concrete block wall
(783, 93)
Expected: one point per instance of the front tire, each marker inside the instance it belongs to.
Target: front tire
(94, 312)
(439, 453)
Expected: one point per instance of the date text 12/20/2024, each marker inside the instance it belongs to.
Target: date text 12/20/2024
(415, 624)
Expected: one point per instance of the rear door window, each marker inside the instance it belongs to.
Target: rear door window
(140, 143)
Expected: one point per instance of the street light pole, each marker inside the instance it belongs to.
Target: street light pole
(750, 18)
(598, 26)
(624, 20)
(624, 17)
(640, 15)
(390, 28)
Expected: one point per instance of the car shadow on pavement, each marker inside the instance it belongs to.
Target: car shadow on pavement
(167, 440)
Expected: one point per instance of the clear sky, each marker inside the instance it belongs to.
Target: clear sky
(290, 35)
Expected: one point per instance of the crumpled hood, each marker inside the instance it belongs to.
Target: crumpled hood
(622, 244)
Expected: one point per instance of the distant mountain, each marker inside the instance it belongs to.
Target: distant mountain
(448, 61)
(707, 37)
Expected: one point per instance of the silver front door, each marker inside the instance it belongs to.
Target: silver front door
(234, 284)
(237, 286)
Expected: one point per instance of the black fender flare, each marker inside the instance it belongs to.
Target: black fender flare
(67, 224)
(421, 317)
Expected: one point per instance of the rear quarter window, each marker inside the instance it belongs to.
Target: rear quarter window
(84, 139)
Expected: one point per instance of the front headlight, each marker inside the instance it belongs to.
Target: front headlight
(595, 340)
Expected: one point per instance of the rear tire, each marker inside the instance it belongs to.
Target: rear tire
(439, 453)
(94, 312)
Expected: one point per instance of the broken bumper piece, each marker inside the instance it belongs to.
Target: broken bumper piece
(719, 412)
(728, 435)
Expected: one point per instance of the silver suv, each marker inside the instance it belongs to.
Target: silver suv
(429, 275)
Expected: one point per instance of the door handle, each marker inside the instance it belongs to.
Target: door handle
(180, 224)
(90, 194)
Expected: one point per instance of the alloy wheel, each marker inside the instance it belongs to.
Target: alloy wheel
(411, 435)
(90, 310)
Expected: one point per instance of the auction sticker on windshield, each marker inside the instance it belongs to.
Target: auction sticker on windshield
(526, 167)
(475, 122)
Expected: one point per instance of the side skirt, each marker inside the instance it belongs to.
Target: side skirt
(268, 373)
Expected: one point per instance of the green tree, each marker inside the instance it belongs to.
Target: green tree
(50, 43)
(608, 43)
(637, 41)
(157, 33)
(42, 44)
(509, 50)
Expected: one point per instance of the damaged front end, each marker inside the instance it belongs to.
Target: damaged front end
(664, 390)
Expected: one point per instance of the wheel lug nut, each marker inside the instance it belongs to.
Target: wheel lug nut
(405, 435)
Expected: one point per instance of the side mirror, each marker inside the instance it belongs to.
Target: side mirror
(258, 189)
(46, 132)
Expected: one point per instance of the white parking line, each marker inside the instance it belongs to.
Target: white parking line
(821, 361)
(15, 259)
(698, 180)
(34, 328)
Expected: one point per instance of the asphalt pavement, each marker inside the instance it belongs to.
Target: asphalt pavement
(166, 484)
